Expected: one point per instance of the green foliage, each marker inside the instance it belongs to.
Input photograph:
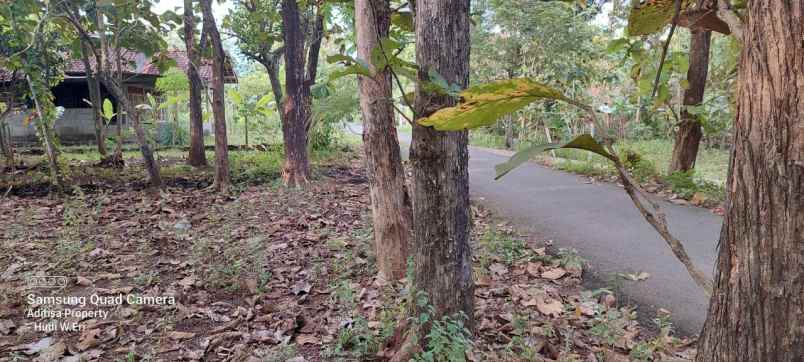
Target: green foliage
(108, 109)
(652, 16)
(448, 341)
(171, 134)
(254, 168)
(642, 169)
(508, 249)
(173, 81)
(483, 104)
(682, 183)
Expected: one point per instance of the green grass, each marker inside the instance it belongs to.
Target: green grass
(651, 159)
(711, 166)
(485, 139)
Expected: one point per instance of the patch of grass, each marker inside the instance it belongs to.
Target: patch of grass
(502, 246)
(711, 164)
(255, 168)
(585, 167)
(484, 139)
(686, 185)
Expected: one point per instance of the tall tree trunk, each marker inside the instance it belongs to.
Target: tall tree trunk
(688, 138)
(95, 98)
(296, 108)
(272, 68)
(197, 157)
(757, 310)
(390, 204)
(443, 267)
(133, 116)
(222, 180)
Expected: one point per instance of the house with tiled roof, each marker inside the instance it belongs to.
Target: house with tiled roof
(76, 124)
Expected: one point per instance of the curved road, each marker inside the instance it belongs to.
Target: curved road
(600, 222)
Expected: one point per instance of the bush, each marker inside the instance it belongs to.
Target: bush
(254, 168)
(682, 183)
(642, 169)
(169, 134)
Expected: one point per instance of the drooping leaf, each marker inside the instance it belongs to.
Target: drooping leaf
(482, 105)
(652, 16)
(582, 142)
(352, 66)
(263, 101)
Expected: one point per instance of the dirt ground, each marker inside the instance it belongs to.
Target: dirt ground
(274, 274)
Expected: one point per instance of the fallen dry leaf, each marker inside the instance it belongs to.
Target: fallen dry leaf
(181, 335)
(549, 306)
(554, 273)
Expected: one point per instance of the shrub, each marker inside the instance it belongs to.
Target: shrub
(255, 168)
(682, 183)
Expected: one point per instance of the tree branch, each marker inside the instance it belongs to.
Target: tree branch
(666, 46)
(728, 15)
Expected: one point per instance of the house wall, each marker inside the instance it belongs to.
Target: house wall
(75, 126)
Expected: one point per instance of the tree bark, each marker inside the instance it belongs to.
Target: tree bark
(132, 114)
(688, 138)
(390, 204)
(442, 255)
(508, 123)
(222, 179)
(6, 145)
(45, 127)
(196, 157)
(297, 104)
(95, 98)
(757, 309)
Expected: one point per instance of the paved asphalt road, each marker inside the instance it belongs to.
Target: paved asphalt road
(600, 221)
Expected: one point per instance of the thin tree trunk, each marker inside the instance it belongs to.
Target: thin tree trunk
(6, 145)
(95, 99)
(688, 138)
(196, 157)
(296, 107)
(442, 256)
(222, 179)
(757, 309)
(509, 132)
(390, 204)
(272, 68)
(132, 115)
(245, 124)
(44, 128)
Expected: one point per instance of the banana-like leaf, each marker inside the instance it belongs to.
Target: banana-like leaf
(108, 109)
(352, 66)
(236, 97)
(263, 101)
(652, 16)
(482, 105)
(582, 142)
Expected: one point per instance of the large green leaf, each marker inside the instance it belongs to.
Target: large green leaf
(108, 109)
(582, 142)
(482, 105)
(652, 16)
(352, 66)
